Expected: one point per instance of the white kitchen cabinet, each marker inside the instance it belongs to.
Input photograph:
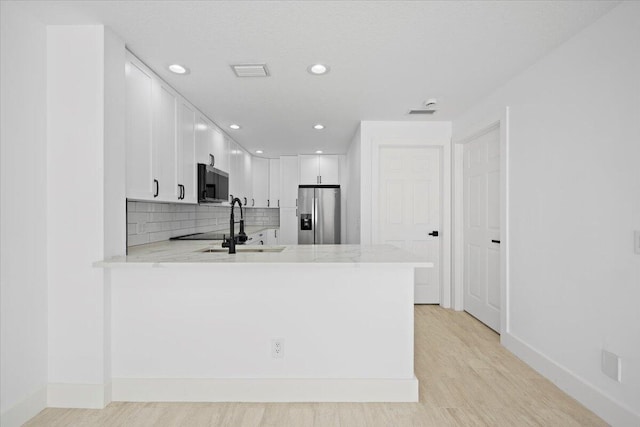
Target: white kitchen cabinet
(288, 181)
(288, 234)
(236, 171)
(260, 179)
(319, 169)
(274, 183)
(138, 125)
(247, 184)
(272, 236)
(210, 141)
(187, 170)
(165, 113)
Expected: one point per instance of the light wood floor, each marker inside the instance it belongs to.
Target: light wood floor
(466, 379)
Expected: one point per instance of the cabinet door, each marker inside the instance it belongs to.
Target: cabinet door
(186, 154)
(260, 178)
(204, 139)
(139, 145)
(329, 167)
(274, 183)
(288, 181)
(247, 186)
(309, 170)
(236, 171)
(165, 103)
(272, 236)
(288, 234)
(220, 150)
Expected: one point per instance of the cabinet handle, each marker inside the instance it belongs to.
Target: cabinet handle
(268, 203)
(253, 202)
(278, 202)
(275, 233)
(182, 191)
(261, 242)
(179, 191)
(495, 241)
(230, 198)
(320, 179)
(296, 203)
(212, 160)
(245, 201)
(157, 188)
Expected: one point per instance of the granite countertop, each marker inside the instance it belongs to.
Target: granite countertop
(193, 252)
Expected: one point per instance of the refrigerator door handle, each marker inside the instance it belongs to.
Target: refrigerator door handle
(315, 220)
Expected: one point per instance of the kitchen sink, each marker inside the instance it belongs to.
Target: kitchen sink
(240, 249)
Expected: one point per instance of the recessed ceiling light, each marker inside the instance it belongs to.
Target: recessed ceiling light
(234, 127)
(318, 151)
(318, 69)
(318, 126)
(178, 69)
(259, 151)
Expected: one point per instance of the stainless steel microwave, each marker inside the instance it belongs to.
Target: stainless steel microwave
(213, 184)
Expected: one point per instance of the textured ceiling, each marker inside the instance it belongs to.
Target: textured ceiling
(385, 57)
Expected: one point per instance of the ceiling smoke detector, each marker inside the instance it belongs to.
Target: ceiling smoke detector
(251, 70)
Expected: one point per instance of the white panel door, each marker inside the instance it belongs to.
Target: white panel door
(236, 171)
(409, 210)
(187, 170)
(165, 141)
(482, 228)
(248, 183)
(204, 140)
(274, 183)
(139, 113)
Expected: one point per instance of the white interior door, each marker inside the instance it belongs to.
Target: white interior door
(409, 210)
(482, 228)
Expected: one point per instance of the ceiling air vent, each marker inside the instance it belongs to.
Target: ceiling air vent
(251, 70)
(422, 111)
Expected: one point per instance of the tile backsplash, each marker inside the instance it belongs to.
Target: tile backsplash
(154, 222)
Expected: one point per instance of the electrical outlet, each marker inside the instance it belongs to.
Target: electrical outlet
(611, 365)
(277, 348)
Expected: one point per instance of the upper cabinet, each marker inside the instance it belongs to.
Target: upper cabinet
(187, 170)
(274, 183)
(319, 169)
(138, 125)
(260, 179)
(212, 146)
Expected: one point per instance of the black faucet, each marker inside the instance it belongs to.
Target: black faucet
(241, 237)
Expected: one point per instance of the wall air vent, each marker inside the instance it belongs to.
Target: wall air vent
(422, 111)
(251, 70)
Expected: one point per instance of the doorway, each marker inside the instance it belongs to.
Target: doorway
(481, 230)
(409, 210)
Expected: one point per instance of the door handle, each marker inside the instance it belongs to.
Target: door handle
(434, 233)
(495, 241)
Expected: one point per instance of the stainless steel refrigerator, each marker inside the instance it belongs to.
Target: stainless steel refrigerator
(319, 214)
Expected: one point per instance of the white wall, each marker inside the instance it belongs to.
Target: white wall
(23, 289)
(84, 131)
(353, 200)
(574, 177)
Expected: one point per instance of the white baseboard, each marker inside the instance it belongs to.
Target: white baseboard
(91, 396)
(23, 411)
(264, 390)
(594, 399)
(426, 294)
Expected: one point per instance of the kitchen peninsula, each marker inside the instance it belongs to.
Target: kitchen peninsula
(289, 323)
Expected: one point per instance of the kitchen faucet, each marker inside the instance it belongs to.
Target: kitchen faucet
(241, 237)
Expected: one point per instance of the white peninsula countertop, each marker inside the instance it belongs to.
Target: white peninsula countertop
(180, 253)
